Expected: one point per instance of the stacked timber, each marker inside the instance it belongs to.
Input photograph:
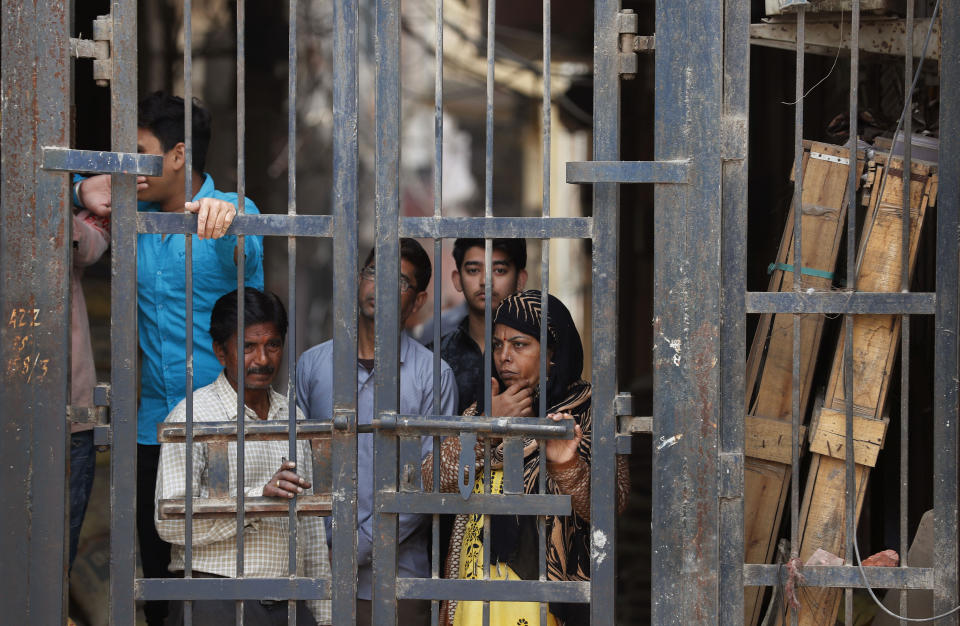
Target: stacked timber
(769, 371)
(876, 340)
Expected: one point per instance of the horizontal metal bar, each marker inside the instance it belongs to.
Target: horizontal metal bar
(267, 225)
(227, 431)
(501, 227)
(488, 504)
(676, 172)
(232, 588)
(841, 576)
(96, 162)
(854, 303)
(449, 424)
(635, 424)
(214, 508)
(502, 590)
(629, 425)
(87, 414)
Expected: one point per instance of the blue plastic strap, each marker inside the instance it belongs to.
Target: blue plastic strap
(807, 271)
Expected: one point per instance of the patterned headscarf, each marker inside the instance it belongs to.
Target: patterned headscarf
(521, 311)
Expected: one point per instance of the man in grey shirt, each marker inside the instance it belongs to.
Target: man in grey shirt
(315, 396)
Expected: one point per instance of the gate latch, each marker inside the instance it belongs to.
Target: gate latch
(97, 49)
(98, 415)
(630, 43)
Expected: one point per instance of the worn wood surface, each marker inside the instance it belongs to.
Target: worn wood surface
(875, 344)
(769, 372)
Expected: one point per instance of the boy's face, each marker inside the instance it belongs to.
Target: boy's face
(160, 188)
(470, 279)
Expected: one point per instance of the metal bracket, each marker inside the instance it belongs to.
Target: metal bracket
(627, 29)
(93, 161)
(97, 49)
(97, 415)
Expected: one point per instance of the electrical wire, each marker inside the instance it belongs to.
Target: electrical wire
(863, 574)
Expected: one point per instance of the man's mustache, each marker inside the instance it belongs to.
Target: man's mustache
(265, 370)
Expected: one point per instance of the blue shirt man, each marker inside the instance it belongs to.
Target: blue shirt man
(161, 305)
(161, 295)
(315, 397)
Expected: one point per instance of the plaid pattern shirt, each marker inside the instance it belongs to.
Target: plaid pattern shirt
(265, 540)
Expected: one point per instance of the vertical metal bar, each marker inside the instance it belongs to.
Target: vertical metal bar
(241, 271)
(344, 446)
(606, 216)
(387, 319)
(736, 104)
(188, 298)
(485, 547)
(945, 351)
(437, 290)
(35, 313)
(905, 321)
(545, 289)
(123, 313)
(687, 285)
(850, 517)
(292, 293)
(796, 418)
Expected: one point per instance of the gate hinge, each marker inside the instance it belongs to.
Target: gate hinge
(97, 49)
(731, 475)
(630, 43)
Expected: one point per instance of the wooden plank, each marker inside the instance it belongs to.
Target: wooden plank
(769, 373)
(875, 344)
(828, 436)
(769, 439)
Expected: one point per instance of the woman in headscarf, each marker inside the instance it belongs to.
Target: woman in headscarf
(514, 551)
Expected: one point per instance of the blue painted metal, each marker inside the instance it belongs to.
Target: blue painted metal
(946, 593)
(842, 302)
(677, 171)
(687, 314)
(294, 588)
(95, 162)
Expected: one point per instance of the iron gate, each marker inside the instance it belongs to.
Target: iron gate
(700, 310)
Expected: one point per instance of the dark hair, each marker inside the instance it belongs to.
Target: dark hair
(162, 115)
(515, 249)
(259, 307)
(412, 251)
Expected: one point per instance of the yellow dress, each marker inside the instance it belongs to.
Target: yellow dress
(470, 613)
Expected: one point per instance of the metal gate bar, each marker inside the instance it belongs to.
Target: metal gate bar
(945, 415)
(736, 103)
(686, 326)
(124, 374)
(35, 269)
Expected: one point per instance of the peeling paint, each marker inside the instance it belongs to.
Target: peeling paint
(599, 540)
(667, 443)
